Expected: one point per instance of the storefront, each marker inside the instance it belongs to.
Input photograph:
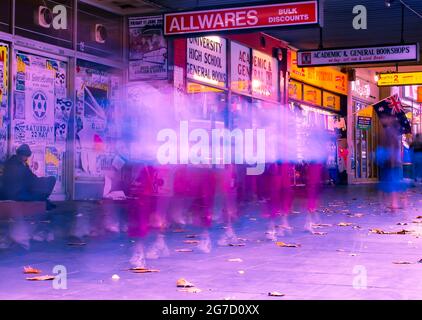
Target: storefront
(47, 102)
(365, 130)
(316, 99)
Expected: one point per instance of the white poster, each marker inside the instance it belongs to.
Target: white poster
(147, 49)
(206, 60)
(240, 68)
(39, 106)
(264, 75)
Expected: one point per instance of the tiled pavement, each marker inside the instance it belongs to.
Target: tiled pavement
(331, 266)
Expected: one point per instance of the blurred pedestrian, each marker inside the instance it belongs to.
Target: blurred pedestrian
(416, 147)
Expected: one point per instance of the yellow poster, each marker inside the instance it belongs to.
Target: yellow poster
(331, 100)
(4, 66)
(295, 90)
(366, 112)
(311, 95)
(328, 78)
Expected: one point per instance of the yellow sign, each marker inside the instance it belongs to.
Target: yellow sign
(419, 95)
(312, 95)
(366, 112)
(295, 90)
(328, 78)
(4, 60)
(331, 100)
(399, 79)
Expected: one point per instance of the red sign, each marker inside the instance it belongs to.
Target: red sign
(265, 16)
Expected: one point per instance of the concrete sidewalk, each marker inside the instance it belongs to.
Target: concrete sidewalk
(348, 262)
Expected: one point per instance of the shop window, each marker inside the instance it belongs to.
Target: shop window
(5, 10)
(99, 117)
(41, 113)
(4, 100)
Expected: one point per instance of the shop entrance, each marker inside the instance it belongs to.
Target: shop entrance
(365, 144)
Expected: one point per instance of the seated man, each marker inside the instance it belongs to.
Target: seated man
(21, 184)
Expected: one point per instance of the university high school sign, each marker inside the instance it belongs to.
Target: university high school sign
(263, 16)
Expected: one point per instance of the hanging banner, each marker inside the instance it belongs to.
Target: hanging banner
(251, 17)
(147, 49)
(264, 76)
(399, 79)
(206, 60)
(349, 56)
(240, 68)
(419, 95)
(328, 78)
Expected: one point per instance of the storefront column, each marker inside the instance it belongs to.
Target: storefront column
(350, 123)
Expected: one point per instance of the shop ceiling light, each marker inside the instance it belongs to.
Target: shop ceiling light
(388, 3)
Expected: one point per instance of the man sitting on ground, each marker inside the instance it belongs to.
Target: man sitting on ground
(21, 184)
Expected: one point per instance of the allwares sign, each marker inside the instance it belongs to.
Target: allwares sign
(265, 16)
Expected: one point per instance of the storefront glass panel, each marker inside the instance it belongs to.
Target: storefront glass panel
(41, 113)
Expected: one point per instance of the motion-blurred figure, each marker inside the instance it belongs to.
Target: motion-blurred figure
(389, 160)
(416, 147)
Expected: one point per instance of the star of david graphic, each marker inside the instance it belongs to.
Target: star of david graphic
(39, 105)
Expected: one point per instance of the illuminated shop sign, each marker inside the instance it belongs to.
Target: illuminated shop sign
(264, 75)
(251, 17)
(328, 78)
(393, 53)
(240, 68)
(206, 60)
(399, 79)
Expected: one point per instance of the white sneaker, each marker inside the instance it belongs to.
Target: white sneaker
(205, 244)
(271, 234)
(138, 257)
(158, 249)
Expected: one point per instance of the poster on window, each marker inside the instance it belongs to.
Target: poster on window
(206, 60)
(264, 76)
(147, 49)
(240, 68)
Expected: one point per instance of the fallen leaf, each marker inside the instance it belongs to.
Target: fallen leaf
(191, 236)
(236, 244)
(76, 244)
(143, 270)
(402, 224)
(183, 283)
(341, 250)
(235, 260)
(317, 233)
(30, 270)
(377, 231)
(191, 241)
(357, 227)
(419, 217)
(190, 290)
(344, 224)
(353, 254)
(402, 262)
(287, 245)
(184, 250)
(276, 294)
(41, 278)
(115, 277)
(321, 225)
